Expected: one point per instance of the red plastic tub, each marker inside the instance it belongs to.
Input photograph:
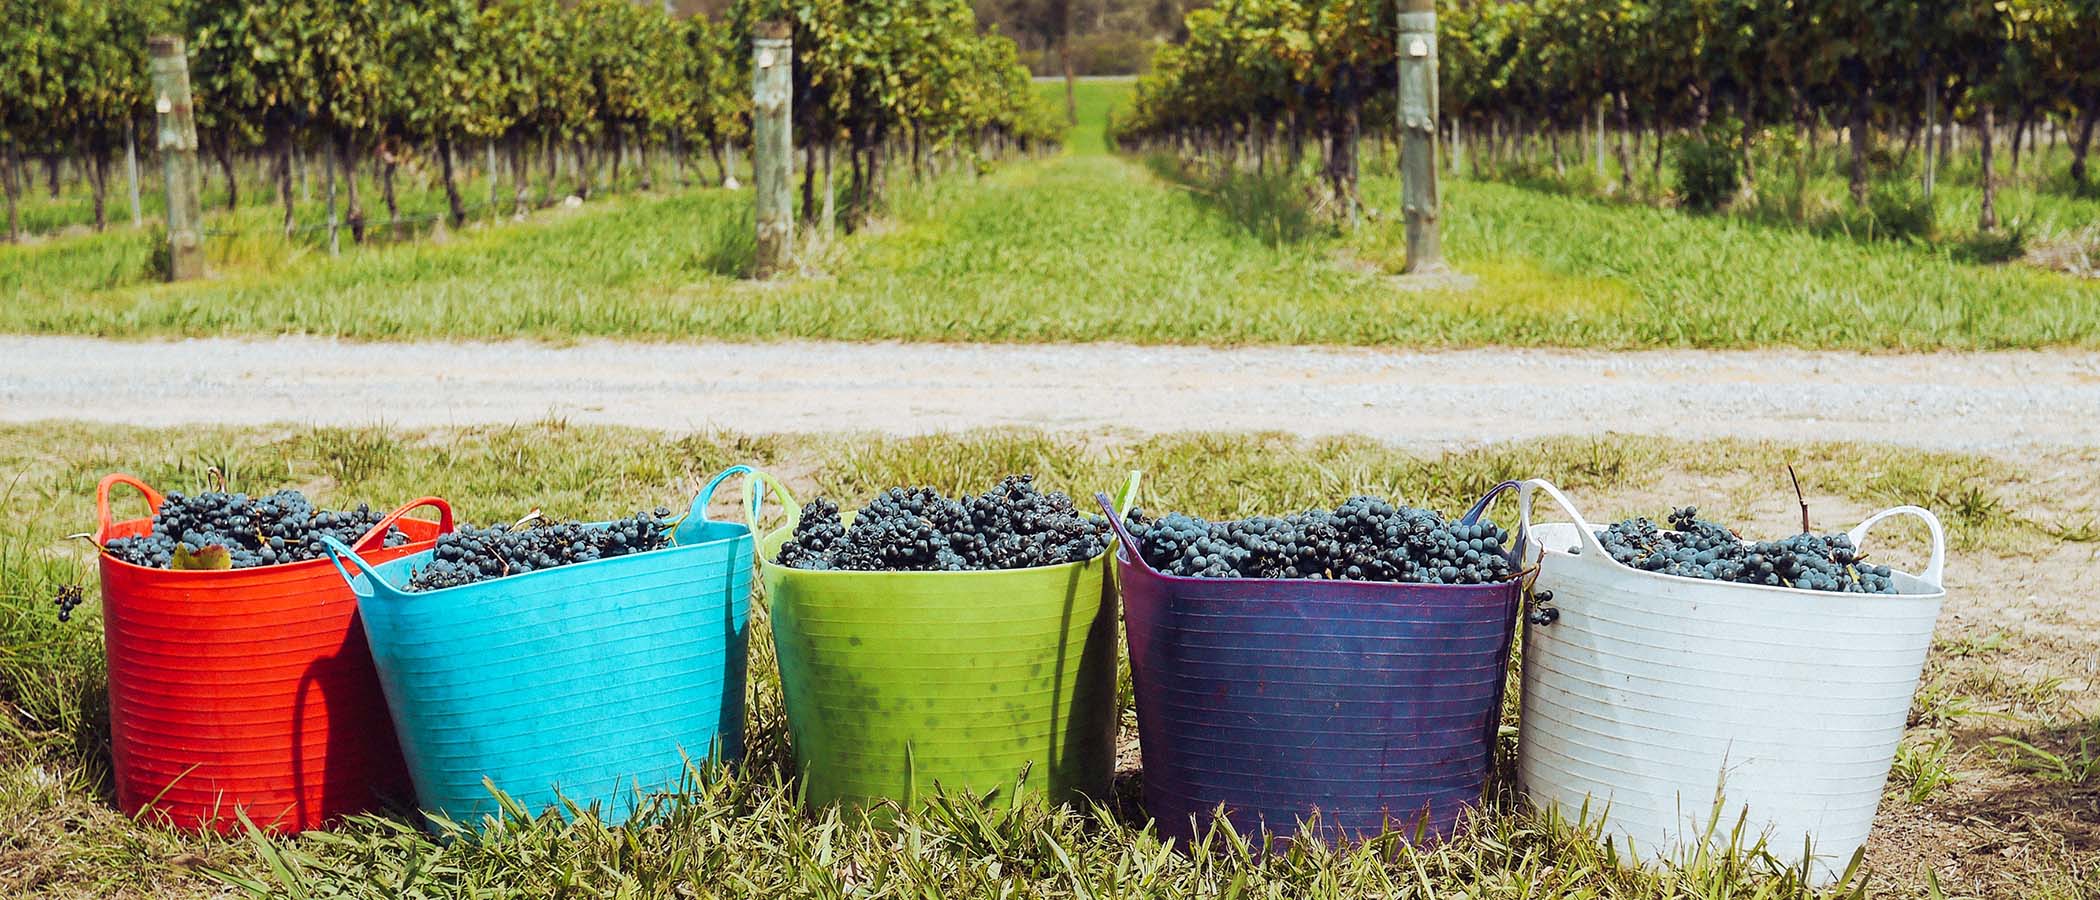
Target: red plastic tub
(247, 689)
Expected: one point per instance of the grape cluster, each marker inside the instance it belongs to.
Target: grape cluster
(1698, 548)
(1015, 525)
(1364, 539)
(480, 554)
(278, 528)
(68, 598)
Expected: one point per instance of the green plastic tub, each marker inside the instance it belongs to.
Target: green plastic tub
(898, 683)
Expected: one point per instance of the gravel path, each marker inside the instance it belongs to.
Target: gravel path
(1951, 401)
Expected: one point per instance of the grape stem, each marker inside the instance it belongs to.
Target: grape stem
(1798, 497)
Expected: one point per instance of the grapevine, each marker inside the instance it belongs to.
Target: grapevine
(1364, 539)
(1516, 78)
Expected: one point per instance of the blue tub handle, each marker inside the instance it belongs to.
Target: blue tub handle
(337, 552)
(754, 498)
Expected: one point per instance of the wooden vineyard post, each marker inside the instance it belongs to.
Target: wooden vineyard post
(773, 146)
(1418, 124)
(176, 138)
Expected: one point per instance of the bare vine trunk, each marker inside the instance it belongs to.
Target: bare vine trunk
(520, 178)
(583, 169)
(2020, 125)
(642, 162)
(11, 185)
(809, 180)
(224, 153)
(98, 182)
(386, 193)
(2083, 142)
(552, 149)
(1625, 117)
(457, 208)
(1862, 135)
(284, 180)
(351, 156)
(830, 215)
(1988, 123)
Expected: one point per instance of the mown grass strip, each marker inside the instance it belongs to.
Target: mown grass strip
(1084, 246)
(744, 836)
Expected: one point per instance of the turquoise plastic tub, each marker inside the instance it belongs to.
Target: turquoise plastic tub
(597, 682)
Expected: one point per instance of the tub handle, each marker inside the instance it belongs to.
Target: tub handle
(1933, 568)
(103, 518)
(1480, 506)
(1115, 513)
(337, 552)
(1524, 495)
(756, 483)
(1516, 549)
(377, 536)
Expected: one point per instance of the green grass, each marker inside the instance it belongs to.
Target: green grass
(1097, 101)
(1082, 246)
(2040, 202)
(743, 835)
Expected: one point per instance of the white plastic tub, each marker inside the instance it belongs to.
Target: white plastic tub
(1672, 705)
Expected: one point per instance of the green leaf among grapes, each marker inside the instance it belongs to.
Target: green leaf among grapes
(211, 558)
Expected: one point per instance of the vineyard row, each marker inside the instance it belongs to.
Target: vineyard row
(1258, 79)
(538, 83)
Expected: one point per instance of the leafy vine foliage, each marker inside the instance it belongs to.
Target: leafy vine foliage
(1258, 75)
(597, 83)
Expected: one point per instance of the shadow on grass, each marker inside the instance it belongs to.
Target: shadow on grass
(728, 248)
(1895, 216)
(2060, 789)
(1273, 207)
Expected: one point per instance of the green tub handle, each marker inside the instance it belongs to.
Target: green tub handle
(754, 499)
(1128, 498)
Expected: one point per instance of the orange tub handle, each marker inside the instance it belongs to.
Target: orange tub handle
(104, 520)
(377, 536)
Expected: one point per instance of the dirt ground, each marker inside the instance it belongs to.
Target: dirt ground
(1973, 401)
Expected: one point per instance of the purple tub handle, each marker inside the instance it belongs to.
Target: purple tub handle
(1123, 535)
(1480, 506)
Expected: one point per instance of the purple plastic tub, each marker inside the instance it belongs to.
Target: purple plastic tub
(1373, 705)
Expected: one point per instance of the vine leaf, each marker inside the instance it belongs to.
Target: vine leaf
(211, 558)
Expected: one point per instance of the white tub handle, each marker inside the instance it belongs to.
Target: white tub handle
(1931, 575)
(1589, 535)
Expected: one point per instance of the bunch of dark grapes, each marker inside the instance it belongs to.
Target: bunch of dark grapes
(1698, 548)
(1012, 526)
(278, 528)
(1364, 539)
(480, 554)
(68, 598)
